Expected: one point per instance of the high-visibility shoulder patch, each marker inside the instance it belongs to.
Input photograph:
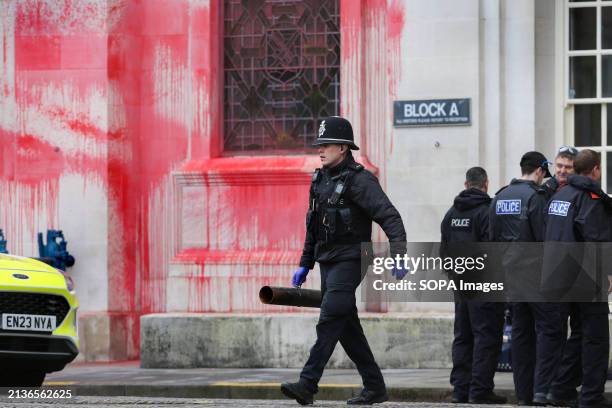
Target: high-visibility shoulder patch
(595, 196)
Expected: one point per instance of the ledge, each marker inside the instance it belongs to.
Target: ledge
(253, 170)
(248, 170)
(201, 256)
(283, 340)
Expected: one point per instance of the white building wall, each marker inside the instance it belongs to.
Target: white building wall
(440, 59)
(501, 55)
(498, 53)
(83, 215)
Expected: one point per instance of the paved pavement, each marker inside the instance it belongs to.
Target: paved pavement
(96, 402)
(125, 384)
(130, 373)
(128, 379)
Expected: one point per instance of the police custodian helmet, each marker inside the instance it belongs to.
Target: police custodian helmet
(336, 130)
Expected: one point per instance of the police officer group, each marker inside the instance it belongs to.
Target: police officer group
(548, 366)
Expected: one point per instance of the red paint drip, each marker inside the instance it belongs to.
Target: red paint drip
(35, 160)
(145, 148)
(395, 19)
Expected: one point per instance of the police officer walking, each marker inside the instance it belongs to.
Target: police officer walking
(517, 215)
(580, 212)
(478, 325)
(344, 200)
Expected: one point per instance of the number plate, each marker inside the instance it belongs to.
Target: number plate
(28, 322)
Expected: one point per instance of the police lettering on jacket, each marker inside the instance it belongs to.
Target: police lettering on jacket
(559, 208)
(461, 223)
(508, 207)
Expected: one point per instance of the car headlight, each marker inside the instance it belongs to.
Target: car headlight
(69, 281)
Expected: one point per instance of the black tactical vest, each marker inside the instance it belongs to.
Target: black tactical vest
(338, 220)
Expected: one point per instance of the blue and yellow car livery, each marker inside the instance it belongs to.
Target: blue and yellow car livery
(38, 321)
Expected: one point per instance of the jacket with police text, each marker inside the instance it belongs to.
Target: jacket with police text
(517, 213)
(468, 219)
(580, 212)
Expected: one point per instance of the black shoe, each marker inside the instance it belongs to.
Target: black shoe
(540, 399)
(490, 398)
(524, 402)
(297, 392)
(459, 400)
(368, 398)
(561, 401)
(604, 403)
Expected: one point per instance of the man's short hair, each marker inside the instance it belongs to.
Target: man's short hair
(586, 160)
(566, 155)
(528, 168)
(476, 177)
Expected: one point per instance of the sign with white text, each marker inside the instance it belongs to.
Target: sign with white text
(434, 112)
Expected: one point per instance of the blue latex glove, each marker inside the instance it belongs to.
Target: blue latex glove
(399, 273)
(299, 276)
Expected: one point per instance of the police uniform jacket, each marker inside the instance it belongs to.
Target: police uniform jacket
(468, 219)
(579, 213)
(337, 224)
(517, 213)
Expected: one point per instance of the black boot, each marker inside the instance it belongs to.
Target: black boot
(490, 398)
(540, 399)
(297, 392)
(604, 403)
(557, 400)
(368, 397)
(459, 400)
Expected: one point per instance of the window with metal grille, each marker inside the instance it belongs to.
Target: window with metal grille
(281, 72)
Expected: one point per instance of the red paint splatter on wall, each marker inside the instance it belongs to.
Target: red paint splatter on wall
(121, 93)
(37, 150)
(395, 19)
(253, 230)
(149, 77)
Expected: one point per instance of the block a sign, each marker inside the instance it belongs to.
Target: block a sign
(433, 112)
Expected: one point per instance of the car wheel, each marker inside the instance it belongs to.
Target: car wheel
(22, 379)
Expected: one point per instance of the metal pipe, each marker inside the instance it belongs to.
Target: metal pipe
(271, 295)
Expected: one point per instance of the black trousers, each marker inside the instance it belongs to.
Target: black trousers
(338, 322)
(537, 345)
(476, 347)
(585, 355)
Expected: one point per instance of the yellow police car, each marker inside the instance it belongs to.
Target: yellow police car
(38, 321)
